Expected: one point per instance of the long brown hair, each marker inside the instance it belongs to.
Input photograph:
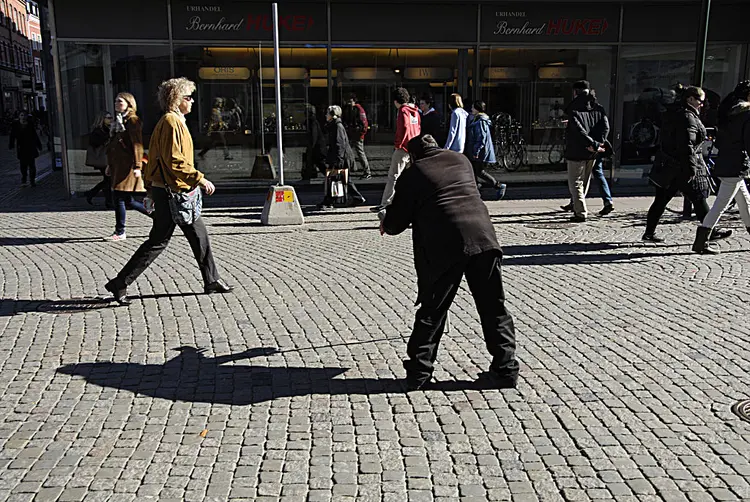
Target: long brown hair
(455, 101)
(130, 100)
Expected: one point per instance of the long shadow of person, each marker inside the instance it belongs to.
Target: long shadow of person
(192, 377)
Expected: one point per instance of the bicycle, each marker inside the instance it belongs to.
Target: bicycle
(510, 146)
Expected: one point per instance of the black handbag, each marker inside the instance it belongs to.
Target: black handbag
(96, 156)
(185, 207)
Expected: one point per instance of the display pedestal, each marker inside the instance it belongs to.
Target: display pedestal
(282, 207)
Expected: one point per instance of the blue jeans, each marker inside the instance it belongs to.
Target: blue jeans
(601, 180)
(123, 201)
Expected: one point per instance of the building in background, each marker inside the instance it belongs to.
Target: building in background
(38, 94)
(15, 57)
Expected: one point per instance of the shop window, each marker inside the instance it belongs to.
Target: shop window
(526, 92)
(234, 117)
(650, 74)
(92, 75)
(371, 74)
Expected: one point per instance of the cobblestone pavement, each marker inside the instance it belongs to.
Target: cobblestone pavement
(631, 357)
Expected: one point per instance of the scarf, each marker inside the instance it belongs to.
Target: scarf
(118, 125)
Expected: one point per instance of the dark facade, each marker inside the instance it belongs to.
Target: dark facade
(521, 58)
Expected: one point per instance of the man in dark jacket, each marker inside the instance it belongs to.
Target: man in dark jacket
(588, 128)
(355, 120)
(431, 119)
(453, 236)
(24, 138)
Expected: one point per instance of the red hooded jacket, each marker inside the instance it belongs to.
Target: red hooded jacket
(408, 126)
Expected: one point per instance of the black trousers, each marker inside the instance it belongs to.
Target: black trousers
(484, 276)
(158, 239)
(483, 177)
(664, 195)
(104, 186)
(28, 170)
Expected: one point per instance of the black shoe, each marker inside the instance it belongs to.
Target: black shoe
(377, 209)
(366, 176)
(651, 238)
(120, 294)
(717, 234)
(498, 380)
(324, 206)
(358, 201)
(413, 383)
(606, 210)
(578, 219)
(90, 198)
(217, 287)
(568, 207)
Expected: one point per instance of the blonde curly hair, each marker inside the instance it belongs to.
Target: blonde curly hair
(172, 91)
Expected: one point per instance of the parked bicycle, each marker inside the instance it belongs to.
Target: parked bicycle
(510, 146)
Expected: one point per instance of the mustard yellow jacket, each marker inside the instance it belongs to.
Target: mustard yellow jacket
(171, 151)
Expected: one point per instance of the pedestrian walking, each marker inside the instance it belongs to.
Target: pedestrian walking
(96, 157)
(457, 130)
(732, 166)
(679, 164)
(453, 237)
(587, 129)
(24, 138)
(355, 121)
(217, 128)
(431, 119)
(600, 178)
(315, 152)
(340, 160)
(125, 162)
(175, 189)
(408, 126)
(480, 149)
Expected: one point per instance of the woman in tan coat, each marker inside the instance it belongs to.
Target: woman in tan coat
(125, 158)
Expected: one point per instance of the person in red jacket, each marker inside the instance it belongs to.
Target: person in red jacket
(356, 125)
(408, 126)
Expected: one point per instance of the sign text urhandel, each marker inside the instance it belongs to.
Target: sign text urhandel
(257, 22)
(551, 27)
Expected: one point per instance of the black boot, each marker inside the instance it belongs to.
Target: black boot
(701, 245)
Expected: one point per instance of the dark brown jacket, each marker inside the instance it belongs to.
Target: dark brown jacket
(125, 155)
(438, 196)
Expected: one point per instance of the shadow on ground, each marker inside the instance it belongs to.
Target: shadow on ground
(192, 377)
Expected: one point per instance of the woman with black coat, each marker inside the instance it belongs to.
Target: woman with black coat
(24, 139)
(96, 157)
(733, 165)
(679, 165)
(340, 158)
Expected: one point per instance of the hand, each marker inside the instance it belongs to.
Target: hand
(208, 187)
(137, 173)
(590, 149)
(108, 171)
(382, 229)
(601, 149)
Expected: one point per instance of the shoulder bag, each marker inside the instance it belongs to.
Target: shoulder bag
(185, 207)
(96, 156)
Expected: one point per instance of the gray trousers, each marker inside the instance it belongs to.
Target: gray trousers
(358, 147)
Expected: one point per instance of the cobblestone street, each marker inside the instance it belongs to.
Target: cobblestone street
(289, 389)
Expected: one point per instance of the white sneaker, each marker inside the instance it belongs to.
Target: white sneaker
(116, 237)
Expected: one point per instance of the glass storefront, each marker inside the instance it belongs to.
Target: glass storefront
(521, 62)
(650, 75)
(92, 75)
(527, 90)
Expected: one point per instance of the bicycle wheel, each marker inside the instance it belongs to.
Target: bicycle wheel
(514, 157)
(500, 153)
(556, 154)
